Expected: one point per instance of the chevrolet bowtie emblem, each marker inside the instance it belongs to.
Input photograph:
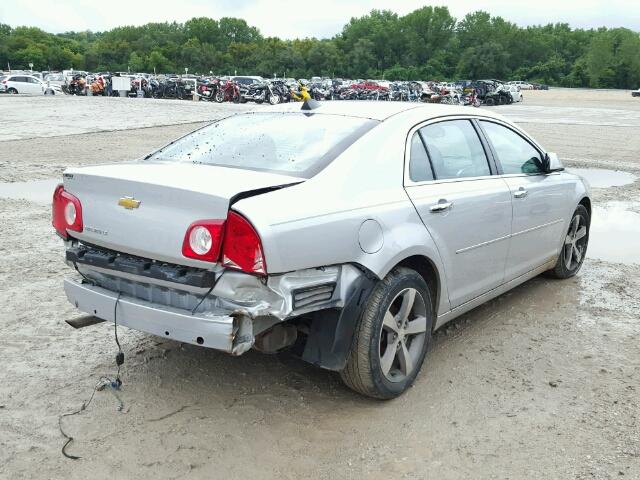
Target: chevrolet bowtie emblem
(129, 203)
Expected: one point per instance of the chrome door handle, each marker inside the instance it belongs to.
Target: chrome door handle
(441, 206)
(520, 193)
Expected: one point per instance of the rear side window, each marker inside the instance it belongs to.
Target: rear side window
(455, 150)
(419, 167)
(294, 144)
(515, 154)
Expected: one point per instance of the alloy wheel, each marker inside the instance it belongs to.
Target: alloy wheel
(575, 242)
(403, 335)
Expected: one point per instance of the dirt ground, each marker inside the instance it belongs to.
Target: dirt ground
(541, 383)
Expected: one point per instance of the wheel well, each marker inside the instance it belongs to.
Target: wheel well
(428, 271)
(587, 204)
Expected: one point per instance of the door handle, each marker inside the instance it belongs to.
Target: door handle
(441, 206)
(520, 193)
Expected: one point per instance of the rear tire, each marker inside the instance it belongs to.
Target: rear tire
(574, 247)
(12, 91)
(392, 336)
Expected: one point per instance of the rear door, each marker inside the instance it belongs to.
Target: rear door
(539, 199)
(19, 83)
(465, 207)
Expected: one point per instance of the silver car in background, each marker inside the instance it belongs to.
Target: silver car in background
(344, 232)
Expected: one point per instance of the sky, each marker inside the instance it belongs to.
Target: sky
(287, 19)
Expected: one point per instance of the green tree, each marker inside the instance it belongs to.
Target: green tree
(427, 43)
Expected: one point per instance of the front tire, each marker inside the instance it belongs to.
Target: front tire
(574, 247)
(392, 336)
(274, 99)
(12, 91)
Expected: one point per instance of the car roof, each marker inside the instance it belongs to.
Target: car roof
(23, 75)
(376, 110)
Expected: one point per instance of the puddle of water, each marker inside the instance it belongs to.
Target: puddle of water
(38, 191)
(603, 178)
(615, 234)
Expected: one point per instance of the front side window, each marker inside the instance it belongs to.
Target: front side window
(294, 144)
(419, 168)
(455, 150)
(515, 154)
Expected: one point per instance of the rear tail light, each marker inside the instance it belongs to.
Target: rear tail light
(203, 240)
(235, 240)
(242, 248)
(66, 212)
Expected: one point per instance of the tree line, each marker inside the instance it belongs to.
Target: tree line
(426, 44)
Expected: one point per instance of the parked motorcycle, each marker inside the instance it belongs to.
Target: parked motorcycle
(98, 86)
(147, 87)
(207, 89)
(279, 88)
(470, 98)
(173, 88)
(499, 96)
(229, 92)
(319, 92)
(259, 92)
(76, 86)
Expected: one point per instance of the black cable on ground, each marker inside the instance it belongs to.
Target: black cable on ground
(104, 382)
(120, 354)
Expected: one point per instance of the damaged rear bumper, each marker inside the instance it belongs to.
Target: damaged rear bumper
(226, 330)
(225, 310)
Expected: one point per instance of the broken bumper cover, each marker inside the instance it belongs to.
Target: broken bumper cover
(226, 330)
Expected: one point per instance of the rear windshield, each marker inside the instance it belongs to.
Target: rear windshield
(294, 144)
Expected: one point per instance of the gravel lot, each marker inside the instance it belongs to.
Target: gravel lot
(541, 383)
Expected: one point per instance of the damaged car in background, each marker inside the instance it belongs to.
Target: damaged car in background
(344, 233)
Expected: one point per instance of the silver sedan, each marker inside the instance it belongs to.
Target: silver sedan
(342, 232)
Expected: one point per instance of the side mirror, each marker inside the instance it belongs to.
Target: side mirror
(553, 163)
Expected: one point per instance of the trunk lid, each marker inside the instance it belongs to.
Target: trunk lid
(171, 196)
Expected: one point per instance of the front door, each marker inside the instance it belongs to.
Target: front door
(466, 209)
(33, 86)
(539, 200)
